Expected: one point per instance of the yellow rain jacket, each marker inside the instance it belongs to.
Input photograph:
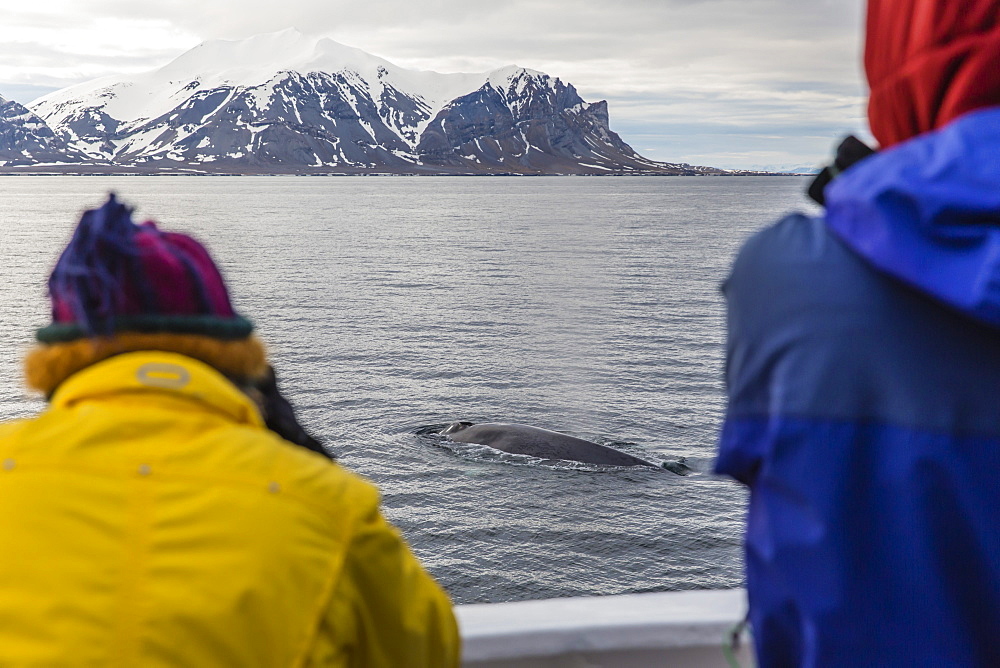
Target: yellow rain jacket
(148, 518)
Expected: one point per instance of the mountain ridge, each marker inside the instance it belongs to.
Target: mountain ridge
(286, 103)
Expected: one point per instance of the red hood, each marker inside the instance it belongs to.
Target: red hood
(928, 62)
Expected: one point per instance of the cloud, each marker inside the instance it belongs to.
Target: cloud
(54, 43)
(715, 63)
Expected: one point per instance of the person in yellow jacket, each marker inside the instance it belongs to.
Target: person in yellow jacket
(149, 517)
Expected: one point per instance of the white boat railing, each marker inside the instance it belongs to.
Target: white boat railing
(688, 628)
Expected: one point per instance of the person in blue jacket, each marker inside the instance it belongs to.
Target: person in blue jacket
(863, 371)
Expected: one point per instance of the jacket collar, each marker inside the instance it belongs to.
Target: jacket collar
(160, 373)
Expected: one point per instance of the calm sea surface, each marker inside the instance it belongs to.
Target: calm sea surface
(589, 306)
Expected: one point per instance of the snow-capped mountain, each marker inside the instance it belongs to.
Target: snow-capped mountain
(287, 102)
(523, 119)
(25, 139)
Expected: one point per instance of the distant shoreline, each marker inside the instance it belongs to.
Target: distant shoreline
(76, 171)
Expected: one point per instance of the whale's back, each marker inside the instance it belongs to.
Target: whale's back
(522, 439)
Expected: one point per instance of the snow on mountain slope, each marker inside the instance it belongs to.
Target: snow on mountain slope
(25, 139)
(286, 101)
(118, 106)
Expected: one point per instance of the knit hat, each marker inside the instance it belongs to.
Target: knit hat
(119, 286)
(118, 276)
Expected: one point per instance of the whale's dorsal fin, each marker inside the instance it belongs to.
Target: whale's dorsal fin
(679, 466)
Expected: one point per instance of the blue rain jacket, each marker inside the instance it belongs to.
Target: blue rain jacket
(863, 374)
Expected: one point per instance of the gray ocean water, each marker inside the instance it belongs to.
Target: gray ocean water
(589, 306)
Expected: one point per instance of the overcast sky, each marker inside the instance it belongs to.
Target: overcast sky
(727, 83)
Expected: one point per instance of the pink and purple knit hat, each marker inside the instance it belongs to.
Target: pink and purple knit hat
(116, 276)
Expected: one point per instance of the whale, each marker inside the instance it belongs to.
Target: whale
(522, 439)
